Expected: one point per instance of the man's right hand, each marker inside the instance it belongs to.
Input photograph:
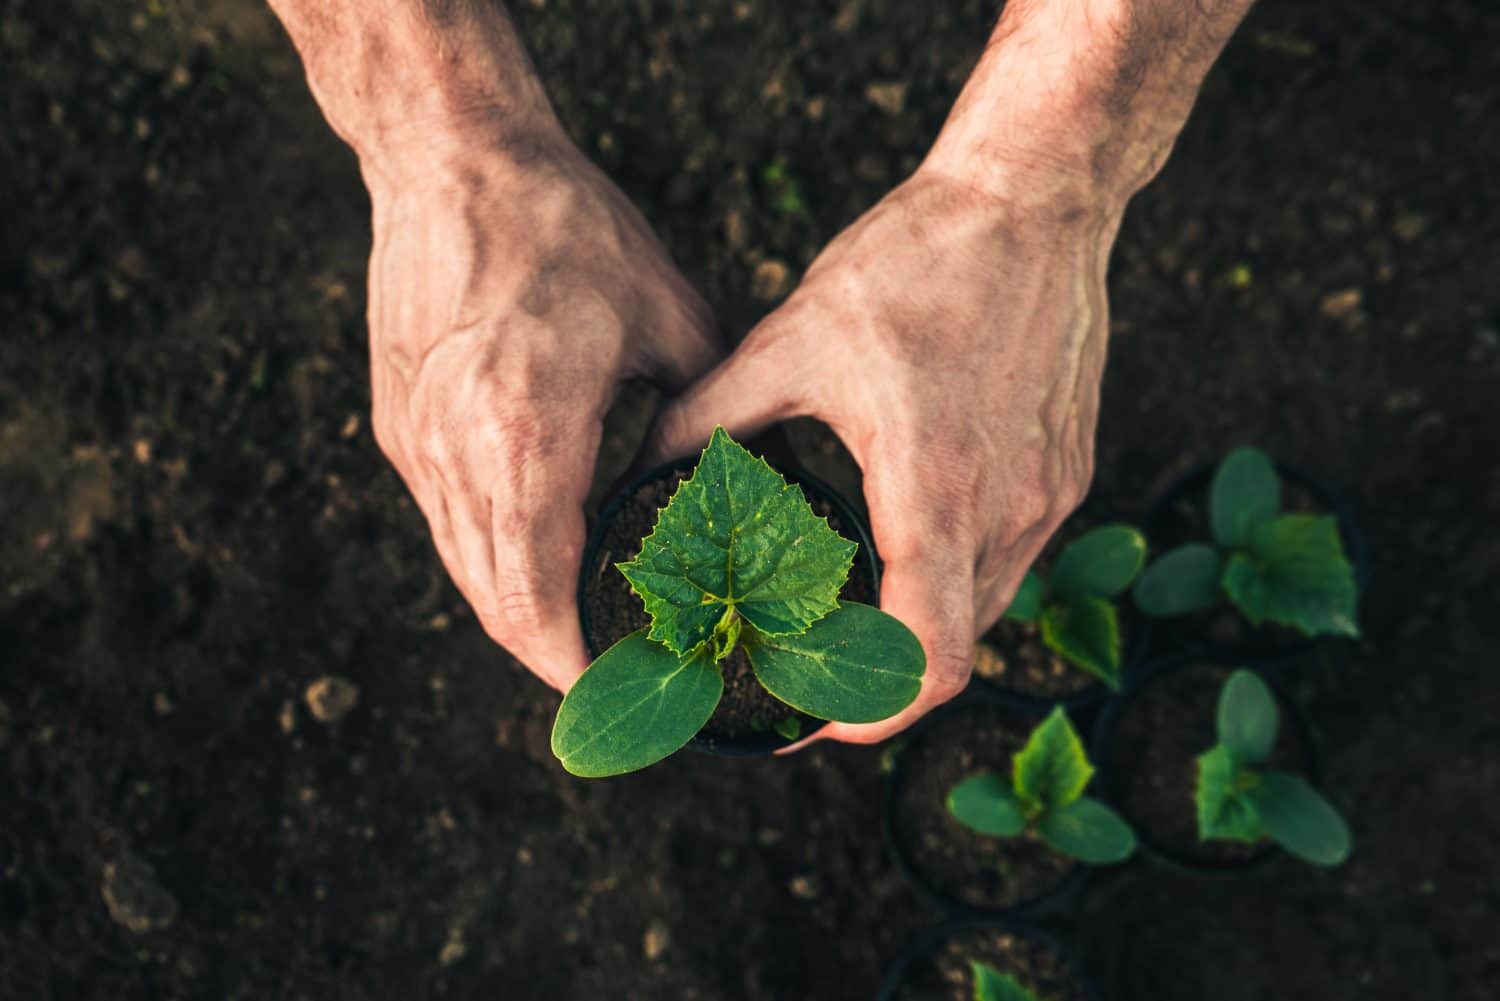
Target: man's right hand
(512, 289)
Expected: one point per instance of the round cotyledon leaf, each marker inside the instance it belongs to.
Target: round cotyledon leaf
(855, 665)
(1101, 563)
(636, 704)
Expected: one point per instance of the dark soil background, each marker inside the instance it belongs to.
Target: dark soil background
(196, 527)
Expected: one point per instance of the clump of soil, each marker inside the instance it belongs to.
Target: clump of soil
(614, 610)
(1184, 518)
(988, 874)
(1152, 761)
(944, 974)
(1011, 655)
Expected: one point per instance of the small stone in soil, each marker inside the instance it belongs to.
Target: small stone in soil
(134, 897)
(658, 937)
(331, 698)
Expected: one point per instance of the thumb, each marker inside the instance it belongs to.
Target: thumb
(755, 387)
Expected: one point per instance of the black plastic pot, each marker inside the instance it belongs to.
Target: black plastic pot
(1059, 899)
(928, 942)
(1101, 751)
(1173, 635)
(866, 561)
(1083, 706)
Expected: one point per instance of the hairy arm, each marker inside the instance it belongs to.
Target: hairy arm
(974, 298)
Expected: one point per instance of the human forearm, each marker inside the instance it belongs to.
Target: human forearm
(417, 86)
(1079, 101)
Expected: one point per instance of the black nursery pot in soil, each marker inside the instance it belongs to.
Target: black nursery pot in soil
(934, 966)
(1181, 514)
(1146, 747)
(743, 724)
(963, 873)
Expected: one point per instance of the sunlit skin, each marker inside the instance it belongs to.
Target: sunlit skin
(513, 288)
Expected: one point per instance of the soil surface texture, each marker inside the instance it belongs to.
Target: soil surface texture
(196, 525)
(1153, 762)
(991, 874)
(615, 611)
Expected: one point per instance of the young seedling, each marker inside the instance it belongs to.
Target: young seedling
(1044, 795)
(992, 985)
(737, 559)
(1239, 801)
(1289, 569)
(1072, 604)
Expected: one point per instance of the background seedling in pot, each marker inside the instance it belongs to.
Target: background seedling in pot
(1289, 569)
(992, 985)
(1045, 795)
(737, 559)
(1072, 605)
(1239, 801)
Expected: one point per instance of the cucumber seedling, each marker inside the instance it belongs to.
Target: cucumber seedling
(992, 985)
(1072, 605)
(1044, 796)
(1289, 569)
(737, 559)
(1239, 800)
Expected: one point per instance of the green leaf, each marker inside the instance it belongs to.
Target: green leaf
(992, 985)
(987, 804)
(735, 534)
(1182, 581)
(1295, 573)
(1089, 831)
(789, 727)
(855, 665)
(1101, 563)
(1246, 494)
(1027, 603)
(635, 705)
(1084, 632)
(1225, 811)
(1298, 818)
(1052, 769)
(1247, 717)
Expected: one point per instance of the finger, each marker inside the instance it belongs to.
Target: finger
(763, 382)
(684, 344)
(534, 601)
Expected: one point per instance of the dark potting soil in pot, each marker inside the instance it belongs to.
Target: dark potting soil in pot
(989, 874)
(1154, 760)
(944, 974)
(615, 611)
(1011, 655)
(1223, 627)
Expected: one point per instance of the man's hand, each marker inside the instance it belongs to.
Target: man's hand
(512, 289)
(954, 337)
(954, 340)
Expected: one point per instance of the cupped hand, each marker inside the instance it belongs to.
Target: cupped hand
(954, 339)
(512, 289)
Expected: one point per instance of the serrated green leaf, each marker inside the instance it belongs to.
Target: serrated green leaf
(1246, 494)
(1085, 632)
(1052, 770)
(855, 665)
(1027, 604)
(1101, 563)
(1294, 573)
(1181, 582)
(1225, 810)
(987, 804)
(1299, 819)
(992, 985)
(1247, 717)
(636, 704)
(735, 534)
(1089, 831)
